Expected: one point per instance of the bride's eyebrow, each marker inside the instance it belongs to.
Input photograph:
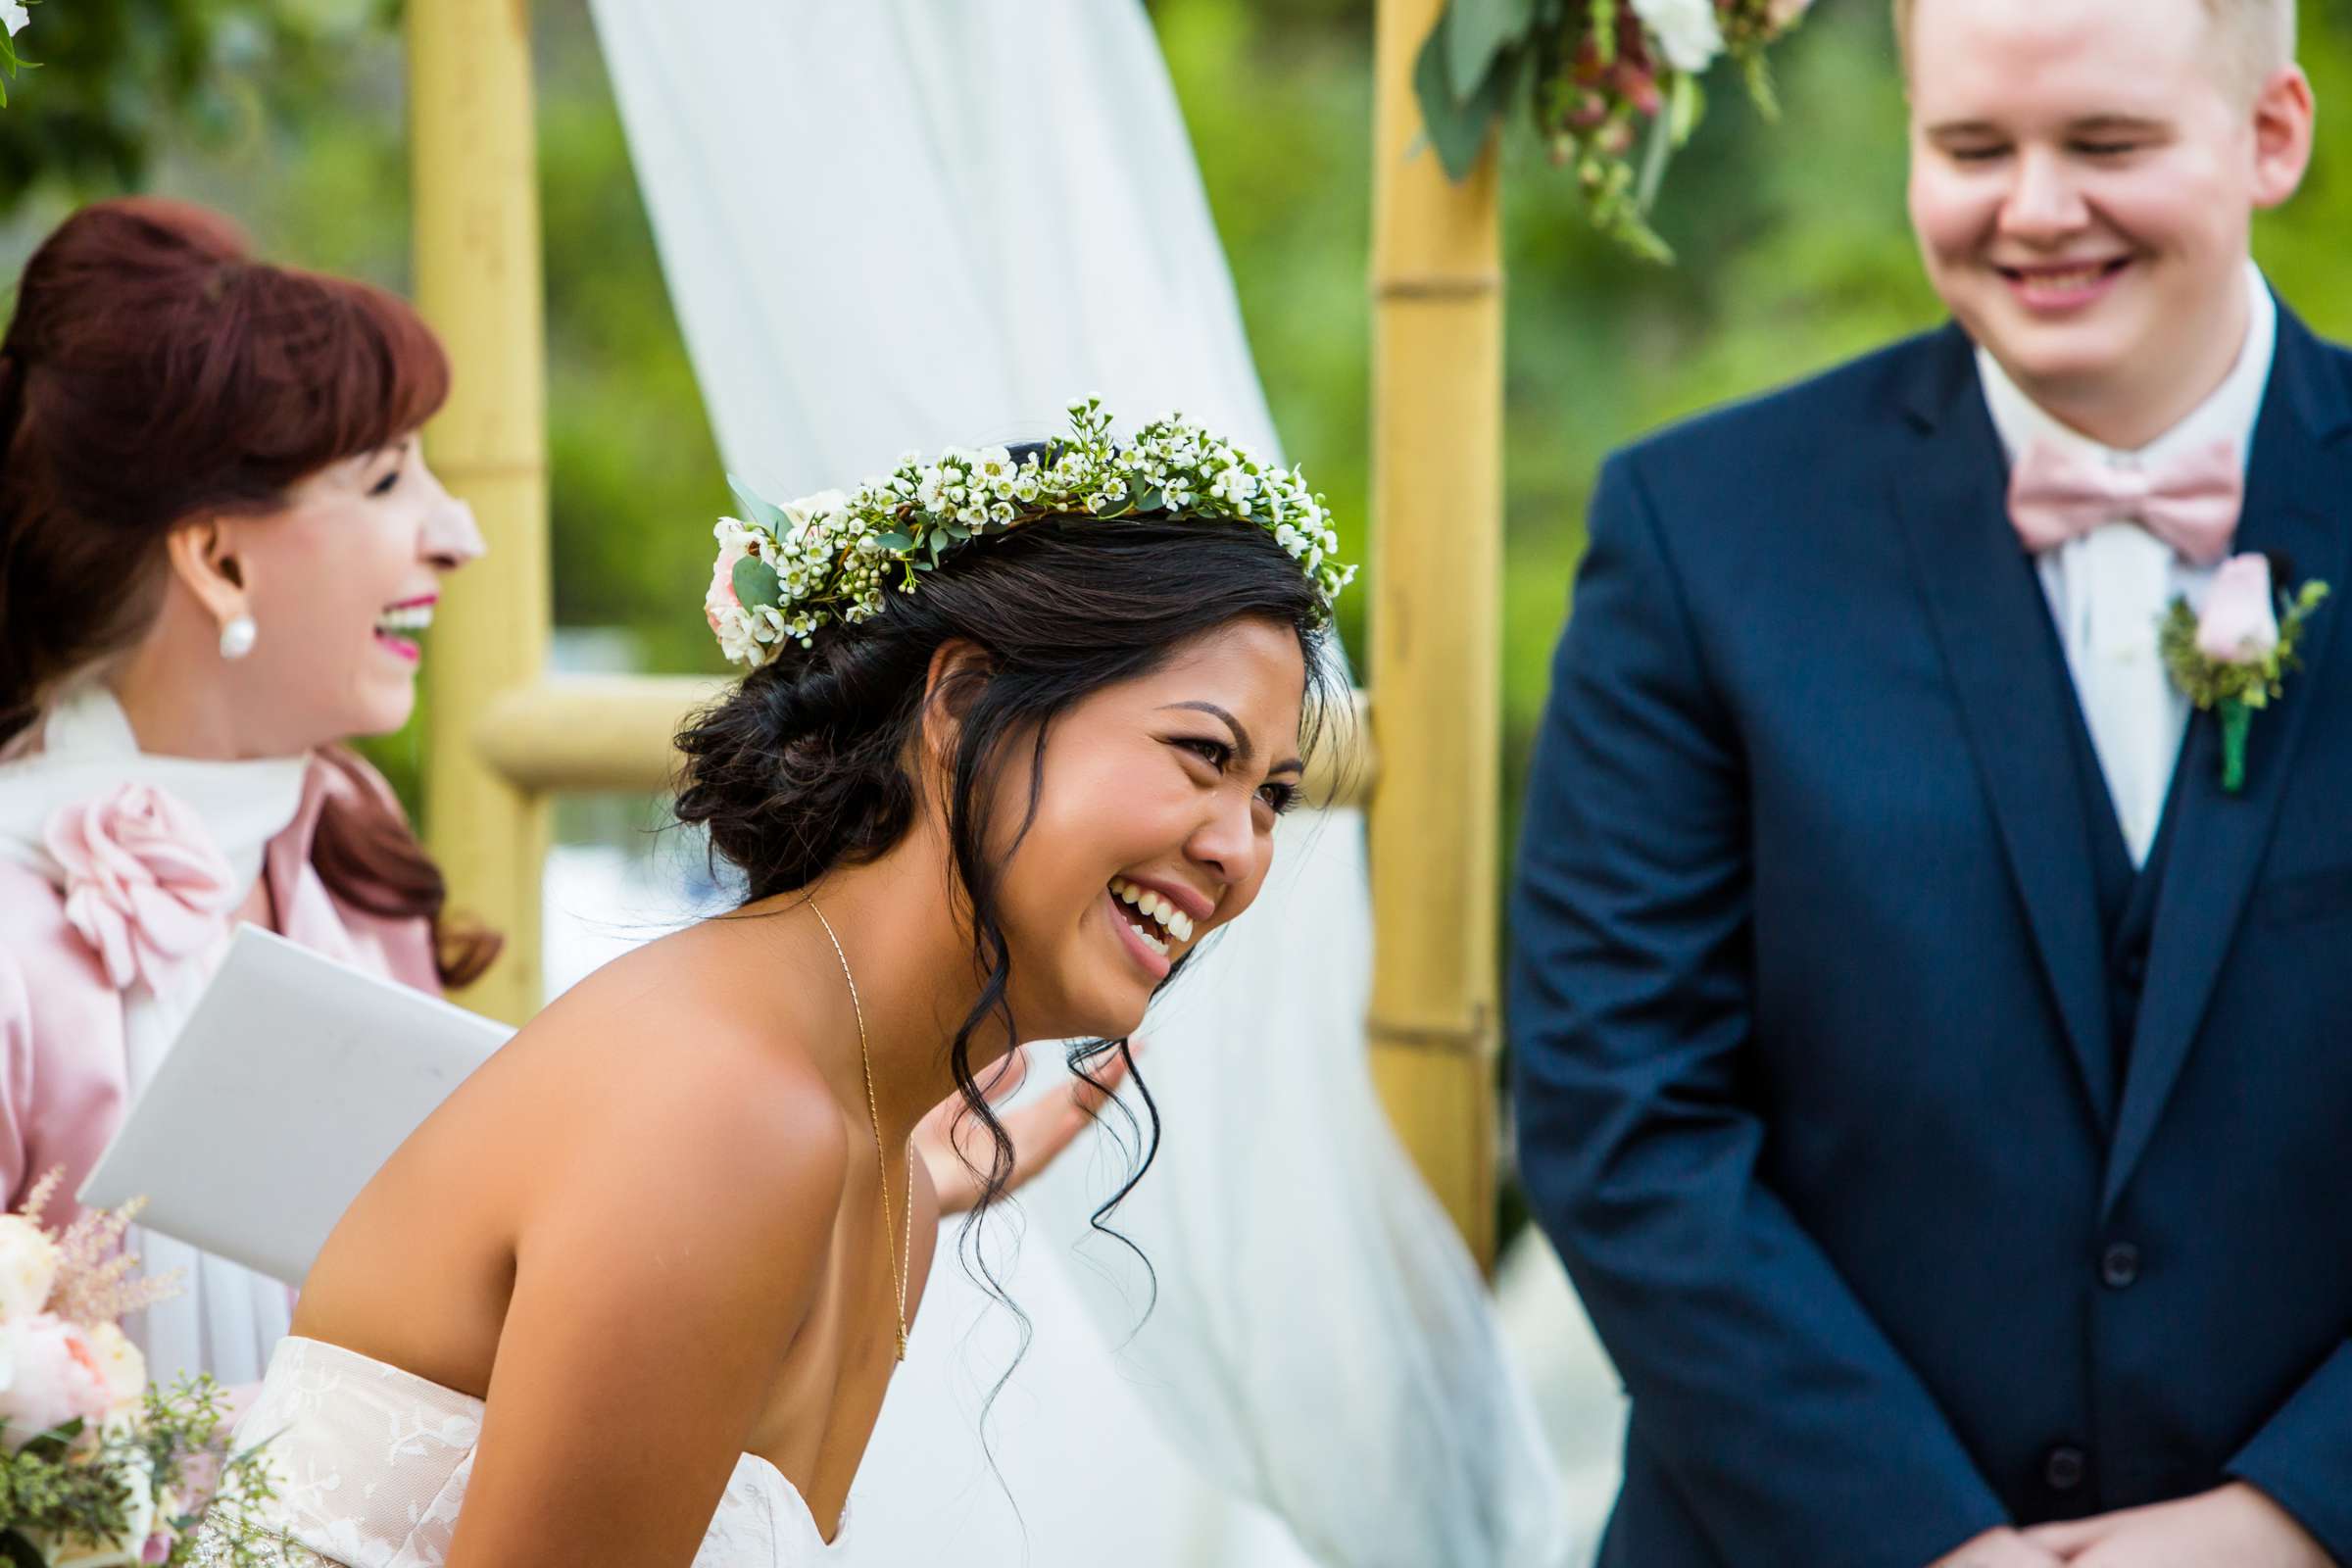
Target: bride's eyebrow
(1242, 750)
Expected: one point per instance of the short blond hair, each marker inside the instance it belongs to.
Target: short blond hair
(2262, 35)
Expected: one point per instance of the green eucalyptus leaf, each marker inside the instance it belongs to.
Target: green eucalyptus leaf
(1475, 31)
(1151, 500)
(1458, 130)
(756, 583)
(895, 541)
(756, 509)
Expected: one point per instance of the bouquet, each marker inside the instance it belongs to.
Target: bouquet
(96, 1468)
(1606, 81)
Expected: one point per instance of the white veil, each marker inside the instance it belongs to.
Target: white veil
(909, 223)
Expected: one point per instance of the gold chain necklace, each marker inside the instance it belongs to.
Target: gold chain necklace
(899, 1270)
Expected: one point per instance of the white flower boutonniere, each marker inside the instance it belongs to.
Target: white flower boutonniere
(2232, 659)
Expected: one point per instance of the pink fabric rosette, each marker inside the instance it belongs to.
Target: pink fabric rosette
(145, 885)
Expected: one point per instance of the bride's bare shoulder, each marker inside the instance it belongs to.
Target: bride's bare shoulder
(680, 1063)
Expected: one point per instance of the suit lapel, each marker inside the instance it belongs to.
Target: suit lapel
(2299, 502)
(2016, 698)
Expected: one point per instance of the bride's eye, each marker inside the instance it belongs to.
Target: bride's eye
(1216, 754)
(384, 485)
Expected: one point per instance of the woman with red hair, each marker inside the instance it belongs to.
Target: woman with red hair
(218, 541)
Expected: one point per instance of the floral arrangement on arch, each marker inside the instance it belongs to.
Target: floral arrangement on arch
(14, 14)
(97, 1469)
(1613, 86)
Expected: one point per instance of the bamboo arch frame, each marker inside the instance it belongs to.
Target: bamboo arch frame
(504, 736)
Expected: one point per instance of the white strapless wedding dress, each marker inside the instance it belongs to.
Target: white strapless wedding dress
(373, 1461)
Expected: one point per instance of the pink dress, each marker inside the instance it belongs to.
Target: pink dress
(64, 1075)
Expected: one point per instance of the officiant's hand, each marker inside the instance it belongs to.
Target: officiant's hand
(1039, 1132)
(2235, 1525)
(2001, 1549)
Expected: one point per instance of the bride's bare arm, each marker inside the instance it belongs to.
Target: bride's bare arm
(674, 1240)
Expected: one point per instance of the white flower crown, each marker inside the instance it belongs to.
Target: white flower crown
(787, 572)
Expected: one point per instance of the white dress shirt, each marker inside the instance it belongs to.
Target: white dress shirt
(2110, 588)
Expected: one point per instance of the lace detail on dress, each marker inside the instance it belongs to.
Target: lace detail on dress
(372, 1464)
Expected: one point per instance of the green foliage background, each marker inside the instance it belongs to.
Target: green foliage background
(1792, 242)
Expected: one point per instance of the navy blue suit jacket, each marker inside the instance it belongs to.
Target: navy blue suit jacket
(1816, 1090)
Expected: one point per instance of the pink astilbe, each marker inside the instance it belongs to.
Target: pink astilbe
(95, 1277)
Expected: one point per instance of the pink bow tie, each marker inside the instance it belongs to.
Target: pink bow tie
(2191, 503)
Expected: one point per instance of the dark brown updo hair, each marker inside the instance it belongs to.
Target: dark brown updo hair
(154, 371)
(805, 764)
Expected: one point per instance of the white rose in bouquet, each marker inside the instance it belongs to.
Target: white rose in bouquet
(122, 1368)
(27, 1268)
(1687, 32)
(53, 1376)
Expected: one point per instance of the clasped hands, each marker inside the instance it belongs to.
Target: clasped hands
(2234, 1525)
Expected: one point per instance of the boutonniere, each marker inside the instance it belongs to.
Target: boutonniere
(2232, 659)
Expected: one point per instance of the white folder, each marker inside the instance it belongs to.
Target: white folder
(294, 1080)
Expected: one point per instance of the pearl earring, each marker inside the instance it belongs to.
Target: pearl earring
(237, 637)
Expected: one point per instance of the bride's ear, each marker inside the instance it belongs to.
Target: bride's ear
(959, 668)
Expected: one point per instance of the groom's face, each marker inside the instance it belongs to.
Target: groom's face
(2084, 175)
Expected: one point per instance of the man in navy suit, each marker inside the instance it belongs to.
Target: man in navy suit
(1938, 1084)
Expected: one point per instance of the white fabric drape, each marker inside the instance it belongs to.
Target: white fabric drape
(909, 223)
(225, 1318)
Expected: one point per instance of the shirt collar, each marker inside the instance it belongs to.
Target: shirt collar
(2229, 414)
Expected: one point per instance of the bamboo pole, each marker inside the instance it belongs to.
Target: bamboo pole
(614, 732)
(474, 165)
(1435, 580)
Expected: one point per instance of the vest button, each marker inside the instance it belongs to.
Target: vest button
(2065, 1468)
(2119, 1266)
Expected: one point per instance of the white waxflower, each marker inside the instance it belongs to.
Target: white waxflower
(826, 504)
(1028, 486)
(13, 15)
(1686, 29)
(993, 471)
(735, 640)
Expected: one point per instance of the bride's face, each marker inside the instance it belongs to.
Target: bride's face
(1154, 826)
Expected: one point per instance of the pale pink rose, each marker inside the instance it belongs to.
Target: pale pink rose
(145, 885)
(734, 543)
(2240, 621)
(52, 1377)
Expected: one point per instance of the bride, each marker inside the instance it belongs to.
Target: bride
(1014, 735)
